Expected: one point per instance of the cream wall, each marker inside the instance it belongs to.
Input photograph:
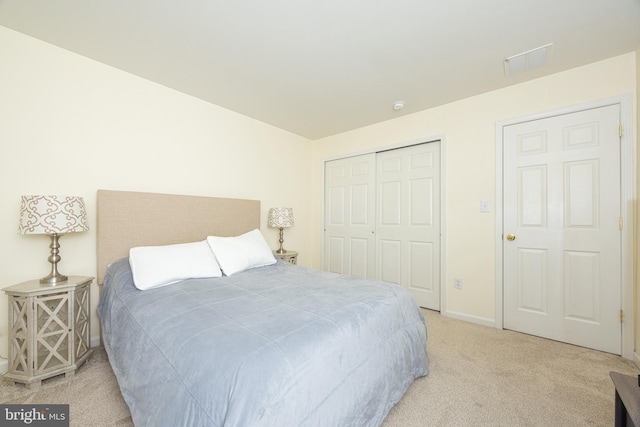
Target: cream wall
(70, 125)
(468, 131)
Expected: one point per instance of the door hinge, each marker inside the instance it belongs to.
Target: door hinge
(620, 131)
(621, 224)
(621, 316)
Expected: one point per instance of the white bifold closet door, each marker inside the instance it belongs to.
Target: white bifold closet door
(382, 218)
(349, 216)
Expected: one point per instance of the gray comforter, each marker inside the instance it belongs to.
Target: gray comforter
(280, 345)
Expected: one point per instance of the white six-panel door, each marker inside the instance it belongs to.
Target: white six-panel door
(349, 216)
(408, 220)
(562, 247)
(382, 218)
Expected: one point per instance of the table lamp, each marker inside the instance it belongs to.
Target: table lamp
(281, 218)
(52, 215)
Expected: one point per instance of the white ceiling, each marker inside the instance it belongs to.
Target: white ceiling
(318, 68)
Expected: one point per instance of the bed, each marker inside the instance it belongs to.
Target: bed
(276, 345)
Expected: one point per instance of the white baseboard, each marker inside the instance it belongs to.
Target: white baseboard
(95, 341)
(467, 318)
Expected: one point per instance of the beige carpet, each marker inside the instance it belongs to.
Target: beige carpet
(479, 376)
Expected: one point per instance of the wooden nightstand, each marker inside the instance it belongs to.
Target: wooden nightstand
(289, 256)
(49, 329)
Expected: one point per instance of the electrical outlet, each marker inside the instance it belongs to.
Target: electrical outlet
(457, 282)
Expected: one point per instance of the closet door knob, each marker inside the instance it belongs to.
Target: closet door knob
(511, 237)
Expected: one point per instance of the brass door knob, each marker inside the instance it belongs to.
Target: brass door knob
(511, 236)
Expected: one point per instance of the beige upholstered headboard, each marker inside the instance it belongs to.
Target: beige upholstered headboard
(128, 219)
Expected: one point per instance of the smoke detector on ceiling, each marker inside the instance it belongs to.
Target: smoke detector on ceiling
(398, 105)
(528, 60)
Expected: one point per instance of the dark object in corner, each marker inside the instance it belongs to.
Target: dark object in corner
(627, 400)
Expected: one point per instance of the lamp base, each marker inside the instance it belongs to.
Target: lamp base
(54, 277)
(281, 250)
(54, 280)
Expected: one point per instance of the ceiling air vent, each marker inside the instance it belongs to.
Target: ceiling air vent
(528, 60)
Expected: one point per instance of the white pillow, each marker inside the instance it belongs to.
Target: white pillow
(235, 254)
(154, 266)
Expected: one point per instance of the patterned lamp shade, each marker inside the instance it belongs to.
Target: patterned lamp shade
(52, 215)
(281, 217)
